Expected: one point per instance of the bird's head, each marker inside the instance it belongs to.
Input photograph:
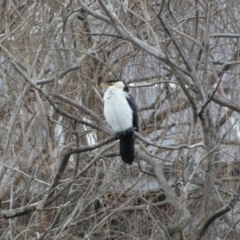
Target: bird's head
(115, 83)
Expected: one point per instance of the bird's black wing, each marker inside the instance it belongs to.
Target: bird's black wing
(134, 108)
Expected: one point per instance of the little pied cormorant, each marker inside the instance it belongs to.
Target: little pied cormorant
(120, 111)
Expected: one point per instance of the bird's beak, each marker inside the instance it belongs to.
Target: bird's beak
(104, 85)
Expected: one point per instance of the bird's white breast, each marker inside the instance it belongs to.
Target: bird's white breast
(117, 110)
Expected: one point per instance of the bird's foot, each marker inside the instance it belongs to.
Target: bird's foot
(117, 136)
(128, 131)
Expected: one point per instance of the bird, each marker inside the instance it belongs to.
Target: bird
(121, 113)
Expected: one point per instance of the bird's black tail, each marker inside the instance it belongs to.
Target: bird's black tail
(127, 147)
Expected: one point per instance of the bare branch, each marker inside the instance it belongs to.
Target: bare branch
(168, 147)
(219, 213)
(224, 35)
(226, 102)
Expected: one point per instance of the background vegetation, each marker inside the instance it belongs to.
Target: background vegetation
(61, 174)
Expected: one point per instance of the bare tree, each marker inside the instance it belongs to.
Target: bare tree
(61, 174)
